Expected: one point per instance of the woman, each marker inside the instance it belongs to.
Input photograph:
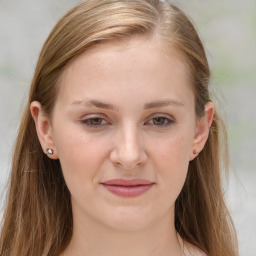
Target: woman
(118, 151)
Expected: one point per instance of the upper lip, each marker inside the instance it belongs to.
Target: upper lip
(123, 182)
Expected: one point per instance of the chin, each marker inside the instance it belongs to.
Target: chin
(128, 220)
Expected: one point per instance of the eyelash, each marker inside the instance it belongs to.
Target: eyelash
(87, 122)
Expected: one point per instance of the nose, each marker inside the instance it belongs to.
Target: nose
(128, 151)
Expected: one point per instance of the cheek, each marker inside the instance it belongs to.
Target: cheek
(80, 155)
(171, 161)
(174, 152)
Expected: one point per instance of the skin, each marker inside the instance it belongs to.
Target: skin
(128, 141)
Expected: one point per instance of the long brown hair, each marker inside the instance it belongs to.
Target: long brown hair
(38, 216)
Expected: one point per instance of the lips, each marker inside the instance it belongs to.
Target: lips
(128, 188)
(123, 182)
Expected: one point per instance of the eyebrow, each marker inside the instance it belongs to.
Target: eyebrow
(94, 103)
(149, 105)
(163, 103)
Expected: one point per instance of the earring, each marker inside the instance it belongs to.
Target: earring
(49, 151)
(195, 152)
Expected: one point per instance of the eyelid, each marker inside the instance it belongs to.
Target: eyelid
(170, 119)
(93, 115)
(87, 118)
(168, 116)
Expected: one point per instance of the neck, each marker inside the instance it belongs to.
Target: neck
(94, 238)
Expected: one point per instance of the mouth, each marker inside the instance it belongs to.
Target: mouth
(128, 188)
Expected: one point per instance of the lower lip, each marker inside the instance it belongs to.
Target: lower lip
(130, 191)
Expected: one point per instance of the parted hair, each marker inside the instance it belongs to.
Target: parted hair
(37, 219)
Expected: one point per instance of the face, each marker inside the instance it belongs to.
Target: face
(124, 111)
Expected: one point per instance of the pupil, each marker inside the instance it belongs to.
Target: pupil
(96, 121)
(159, 120)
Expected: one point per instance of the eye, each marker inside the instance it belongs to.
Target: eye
(94, 122)
(160, 121)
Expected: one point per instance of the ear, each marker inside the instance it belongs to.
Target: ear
(43, 129)
(202, 130)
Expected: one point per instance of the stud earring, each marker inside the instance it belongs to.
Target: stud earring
(49, 151)
(195, 152)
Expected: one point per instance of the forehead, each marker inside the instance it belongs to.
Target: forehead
(150, 49)
(136, 63)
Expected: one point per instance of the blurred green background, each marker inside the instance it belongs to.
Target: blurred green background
(228, 31)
